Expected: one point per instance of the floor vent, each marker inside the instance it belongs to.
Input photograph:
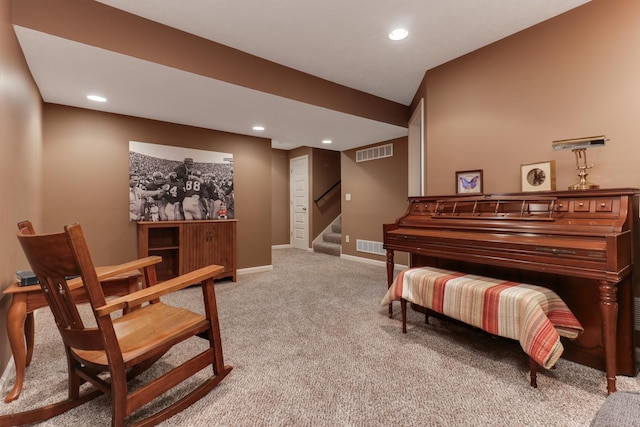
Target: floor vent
(379, 152)
(370, 247)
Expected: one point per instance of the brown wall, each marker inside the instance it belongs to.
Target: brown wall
(20, 157)
(280, 198)
(501, 107)
(378, 191)
(86, 162)
(325, 172)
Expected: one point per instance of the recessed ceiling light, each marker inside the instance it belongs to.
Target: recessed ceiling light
(97, 98)
(326, 141)
(258, 127)
(398, 34)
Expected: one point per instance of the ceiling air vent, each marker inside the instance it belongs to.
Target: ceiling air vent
(379, 152)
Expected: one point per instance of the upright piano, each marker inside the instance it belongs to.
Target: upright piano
(581, 244)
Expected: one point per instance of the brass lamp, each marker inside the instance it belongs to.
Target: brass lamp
(579, 147)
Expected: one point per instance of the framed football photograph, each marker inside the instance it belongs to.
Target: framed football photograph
(538, 176)
(469, 182)
(173, 183)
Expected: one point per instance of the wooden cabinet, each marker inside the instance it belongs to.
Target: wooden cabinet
(188, 245)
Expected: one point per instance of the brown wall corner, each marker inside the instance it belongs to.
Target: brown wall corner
(280, 198)
(378, 190)
(501, 106)
(326, 173)
(20, 158)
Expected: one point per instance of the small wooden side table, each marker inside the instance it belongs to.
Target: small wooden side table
(21, 325)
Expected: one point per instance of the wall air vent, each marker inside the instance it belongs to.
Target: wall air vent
(370, 247)
(373, 153)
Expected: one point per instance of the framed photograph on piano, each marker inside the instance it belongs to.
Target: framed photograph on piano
(469, 182)
(538, 176)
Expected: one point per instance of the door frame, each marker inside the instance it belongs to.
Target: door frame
(416, 152)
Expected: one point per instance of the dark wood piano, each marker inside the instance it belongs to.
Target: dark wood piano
(581, 244)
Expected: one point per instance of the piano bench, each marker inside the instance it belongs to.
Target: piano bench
(533, 315)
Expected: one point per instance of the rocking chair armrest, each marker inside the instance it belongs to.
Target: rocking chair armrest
(135, 299)
(138, 264)
(109, 271)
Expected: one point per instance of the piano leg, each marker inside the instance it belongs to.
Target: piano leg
(609, 314)
(533, 372)
(403, 306)
(390, 268)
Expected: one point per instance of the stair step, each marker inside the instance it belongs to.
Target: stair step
(327, 248)
(332, 237)
(331, 240)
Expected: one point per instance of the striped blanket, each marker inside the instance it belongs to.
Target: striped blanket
(533, 315)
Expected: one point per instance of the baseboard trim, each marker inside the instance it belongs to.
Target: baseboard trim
(371, 261)
(259, 269)
(263, 268)
(281, 246)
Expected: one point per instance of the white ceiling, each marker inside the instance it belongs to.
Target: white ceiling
(341, 41)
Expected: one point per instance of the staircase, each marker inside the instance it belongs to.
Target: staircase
(331, 239)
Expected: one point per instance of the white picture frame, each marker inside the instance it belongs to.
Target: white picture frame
(469, 182)
(539, 176)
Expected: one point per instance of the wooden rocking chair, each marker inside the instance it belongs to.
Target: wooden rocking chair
(120, 347)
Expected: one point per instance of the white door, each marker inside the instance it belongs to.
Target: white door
(299, 196)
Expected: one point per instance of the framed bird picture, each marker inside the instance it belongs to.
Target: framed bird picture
(538, 176)
(469, 182)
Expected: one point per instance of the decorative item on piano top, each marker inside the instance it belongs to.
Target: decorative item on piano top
(469, 182)
(538, 176)
(579, 147)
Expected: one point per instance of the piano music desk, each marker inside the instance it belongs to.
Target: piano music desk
(21, 326)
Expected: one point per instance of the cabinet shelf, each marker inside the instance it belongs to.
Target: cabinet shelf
(188, 245)
(162, 248)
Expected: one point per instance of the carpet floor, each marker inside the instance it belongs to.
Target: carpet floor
(312, 346)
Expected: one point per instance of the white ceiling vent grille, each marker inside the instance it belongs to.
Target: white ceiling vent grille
(379, 152)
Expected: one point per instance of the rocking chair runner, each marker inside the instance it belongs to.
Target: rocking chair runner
(123, 346)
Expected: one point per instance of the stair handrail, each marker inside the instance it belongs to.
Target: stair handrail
(328, 191)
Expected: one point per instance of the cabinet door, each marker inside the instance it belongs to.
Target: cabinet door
(224, 242)
(209, 243)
